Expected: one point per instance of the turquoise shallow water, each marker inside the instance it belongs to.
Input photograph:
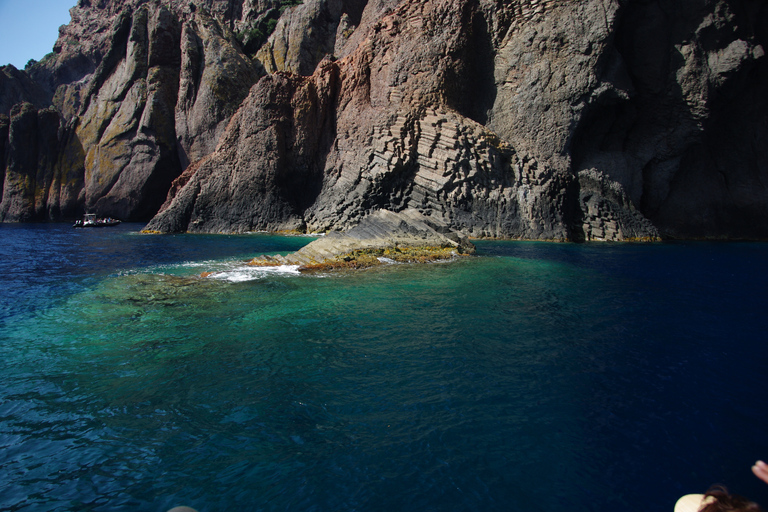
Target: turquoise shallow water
(532, 377)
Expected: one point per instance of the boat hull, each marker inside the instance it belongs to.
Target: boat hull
(96, 224)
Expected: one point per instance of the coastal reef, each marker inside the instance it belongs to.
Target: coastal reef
(578, 120)
(381, 237)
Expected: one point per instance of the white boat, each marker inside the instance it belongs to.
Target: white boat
(90, 220)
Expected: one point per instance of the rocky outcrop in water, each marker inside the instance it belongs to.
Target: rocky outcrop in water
(381, 237)
(540, 119)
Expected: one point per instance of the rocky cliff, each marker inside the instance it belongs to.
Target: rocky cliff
(540, 119)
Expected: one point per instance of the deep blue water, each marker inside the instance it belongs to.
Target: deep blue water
(534, 376)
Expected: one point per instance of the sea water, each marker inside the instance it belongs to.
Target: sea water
(530, 377)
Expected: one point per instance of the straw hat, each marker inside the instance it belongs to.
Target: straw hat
(692, 503)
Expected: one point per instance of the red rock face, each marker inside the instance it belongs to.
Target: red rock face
(542, 119)
(410, 129)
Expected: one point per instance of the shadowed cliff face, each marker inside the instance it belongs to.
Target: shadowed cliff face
(40, 181)
(687, 140)
(266, 164)
(542, 119)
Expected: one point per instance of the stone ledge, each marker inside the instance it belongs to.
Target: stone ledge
(382, 236)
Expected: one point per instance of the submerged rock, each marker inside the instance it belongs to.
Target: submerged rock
(382, 236)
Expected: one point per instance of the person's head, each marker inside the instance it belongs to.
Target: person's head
(717, 499)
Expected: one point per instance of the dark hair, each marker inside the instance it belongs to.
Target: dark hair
(725, 502)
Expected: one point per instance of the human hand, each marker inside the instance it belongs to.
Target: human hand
(760, 469)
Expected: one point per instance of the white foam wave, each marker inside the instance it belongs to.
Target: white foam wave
(198, 264)
(243, 274)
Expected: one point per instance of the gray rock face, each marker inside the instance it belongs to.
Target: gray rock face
(273, 142)
(215, 78)
(536, 119)
(687, 139)
(308, 33)
(17, 87)
(609, 214)
(38, 184)
(143, 89)
(126, 123)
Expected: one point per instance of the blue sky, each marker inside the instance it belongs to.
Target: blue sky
(29, 28)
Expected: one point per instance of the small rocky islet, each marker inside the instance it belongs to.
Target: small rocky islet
(382, 237)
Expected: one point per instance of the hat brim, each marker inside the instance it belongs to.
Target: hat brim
(691, 503)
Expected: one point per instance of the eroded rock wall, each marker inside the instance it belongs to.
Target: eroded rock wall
(541, 119)
(40, 181)
(687, 141)
(266, 171)
(143, 88)
(604, 115)
(17, 87)
(414, 122)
